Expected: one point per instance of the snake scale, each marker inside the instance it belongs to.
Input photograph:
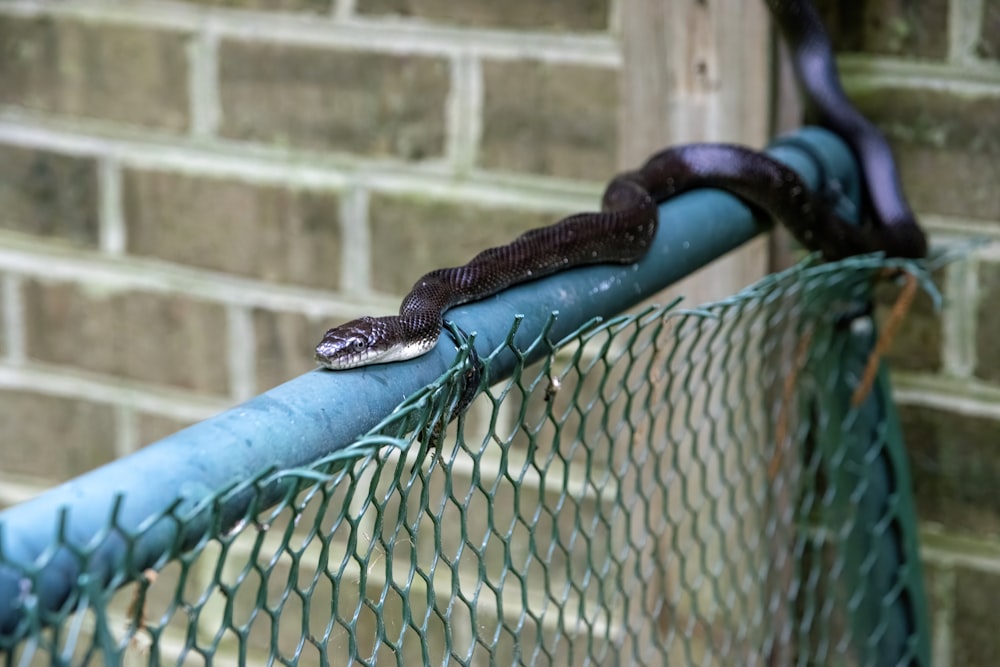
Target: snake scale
(623, 230)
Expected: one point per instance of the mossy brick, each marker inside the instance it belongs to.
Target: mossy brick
(420, 235)
(933, 118)
(3, 324)
(285, 343)
(989, 36)
(988, 323)
(295, 6)
(888, 27)
(951, 183)
(49, 194)
(262, 231)
(337, 100)
(939, 592)
(126, 74)
(54, 438)
(549, 118)
(947, 147)
(955, 461)
(550, 15)
(163, 339)
(977, 603)
(917, 345)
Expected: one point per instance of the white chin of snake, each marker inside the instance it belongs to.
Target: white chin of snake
(370, 358)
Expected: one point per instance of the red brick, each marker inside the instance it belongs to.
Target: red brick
(551, 119)
(555, 15)
(367, 103)
(156, 338)
(48, 194)
(54, 438)
(117, 73)
(261, 231)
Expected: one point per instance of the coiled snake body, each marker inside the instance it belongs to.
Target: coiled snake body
(623, 231)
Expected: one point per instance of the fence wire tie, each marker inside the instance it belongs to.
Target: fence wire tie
(703, 313)
(467, 365)
(542, 338)
(360, 448)
(583, 332)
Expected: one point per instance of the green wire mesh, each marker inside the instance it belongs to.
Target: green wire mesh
(685, 487)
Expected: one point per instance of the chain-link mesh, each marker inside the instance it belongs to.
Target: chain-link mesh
(675, 486)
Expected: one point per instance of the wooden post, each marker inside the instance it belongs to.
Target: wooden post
(699, 70)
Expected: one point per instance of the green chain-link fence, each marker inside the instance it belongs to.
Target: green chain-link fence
(670, 487)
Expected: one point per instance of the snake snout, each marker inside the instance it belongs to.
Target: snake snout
(346, 346)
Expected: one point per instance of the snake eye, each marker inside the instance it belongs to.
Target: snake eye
(359, 345)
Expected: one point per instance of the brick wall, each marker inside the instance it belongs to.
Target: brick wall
(192, 192)
(929, 74)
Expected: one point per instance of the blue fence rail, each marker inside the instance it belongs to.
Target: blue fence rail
(321, 412)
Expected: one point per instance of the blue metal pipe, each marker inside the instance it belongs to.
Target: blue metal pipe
(322, 412)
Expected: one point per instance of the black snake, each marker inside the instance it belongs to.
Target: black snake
(623, 231)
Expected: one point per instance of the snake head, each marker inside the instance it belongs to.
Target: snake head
(349, 345)
(367, 341)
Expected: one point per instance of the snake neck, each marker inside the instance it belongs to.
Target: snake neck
(815, 65)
